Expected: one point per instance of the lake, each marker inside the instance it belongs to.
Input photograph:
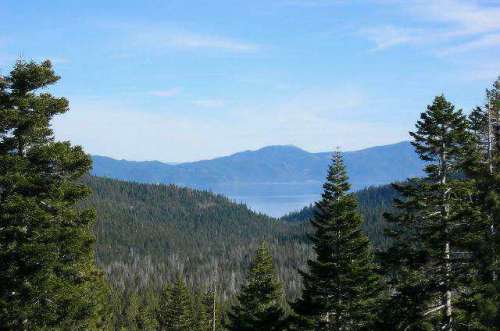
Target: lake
(273, 199)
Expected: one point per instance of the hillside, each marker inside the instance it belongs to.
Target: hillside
(148, 233)
(373, 202)
(274, 180)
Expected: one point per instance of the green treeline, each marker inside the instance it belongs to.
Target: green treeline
(373, 203)
(156, 231)
(177, 259)
(148, 234)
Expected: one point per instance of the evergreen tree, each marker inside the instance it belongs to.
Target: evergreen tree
(131, 312)
(176, 311)
(137, 313)
(341, 285)
(211, 312)
(485, 169)
(260, 302)
(202, 312)
(47, 274)
(481, 304)
(427, 264)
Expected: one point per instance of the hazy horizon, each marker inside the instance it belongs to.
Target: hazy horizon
(186, 80)
(251, 150)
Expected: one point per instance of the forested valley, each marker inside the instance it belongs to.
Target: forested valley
(85, 253)
(148, 235)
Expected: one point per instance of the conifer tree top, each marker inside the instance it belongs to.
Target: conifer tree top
(261, 299)
(336, 180)
(29, 76)
(341, 284)
(48, 279)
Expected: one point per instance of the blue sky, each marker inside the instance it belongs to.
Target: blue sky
(184, 80)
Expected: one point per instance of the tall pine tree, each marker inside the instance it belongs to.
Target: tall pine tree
(341, 285)
(176, 311)
(210, 317)
(47, 274)
(427, 263)
(260, 302)
(482, 303)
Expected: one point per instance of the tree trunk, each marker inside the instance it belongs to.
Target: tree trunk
(491, 172)
(446, 295)
(214, 310)
(448, 319)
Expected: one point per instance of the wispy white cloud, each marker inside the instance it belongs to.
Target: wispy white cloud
(315, 120)
(443, 26)
(210, 103)
(194, 41)
(389, 36)
(163, 37)
(172, 92)
(466, 17)
(486, 41)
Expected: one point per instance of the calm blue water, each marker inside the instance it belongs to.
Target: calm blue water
(277, 206)
(271, 198)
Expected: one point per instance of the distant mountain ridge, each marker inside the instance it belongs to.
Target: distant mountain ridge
(273, 171)
(272, 164)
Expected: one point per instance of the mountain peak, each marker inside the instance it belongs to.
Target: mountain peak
(273, 172)
(271, 152)
(281, 148)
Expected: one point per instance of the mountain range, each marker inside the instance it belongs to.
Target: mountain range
(274, 179)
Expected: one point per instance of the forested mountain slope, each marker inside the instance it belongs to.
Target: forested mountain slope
(373, 202)
(270, 168)
(147, 233)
